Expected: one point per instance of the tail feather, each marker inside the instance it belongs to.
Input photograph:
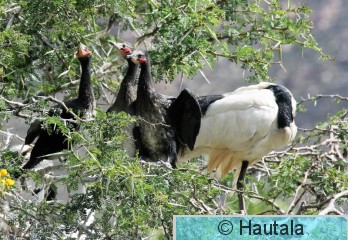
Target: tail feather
(223, 162)
(215, 159)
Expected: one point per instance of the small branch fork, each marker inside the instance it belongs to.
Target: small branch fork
(331, 208)
(322, 96)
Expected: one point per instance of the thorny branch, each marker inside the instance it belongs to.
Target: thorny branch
(321, 96)
(18, 106)
(325, 150)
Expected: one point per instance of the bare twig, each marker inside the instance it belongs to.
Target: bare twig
(319, 96)
(317, 205)
(199, 205)
(331, 206)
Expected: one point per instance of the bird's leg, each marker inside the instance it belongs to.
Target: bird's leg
(240, 187)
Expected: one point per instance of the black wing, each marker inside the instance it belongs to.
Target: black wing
(185, 117)
(34, 130)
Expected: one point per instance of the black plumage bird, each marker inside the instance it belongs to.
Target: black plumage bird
(49, 142)
(126, 95)
(159, 132)
(156, 138)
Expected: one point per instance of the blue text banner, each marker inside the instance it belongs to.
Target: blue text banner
(260, 227)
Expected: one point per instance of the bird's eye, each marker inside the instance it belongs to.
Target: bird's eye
(139, 56)
(123, 46)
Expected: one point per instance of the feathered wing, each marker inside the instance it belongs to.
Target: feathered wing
(33, 131)
(35, 127)
(238, 121)
(238, 127)
(185, 116)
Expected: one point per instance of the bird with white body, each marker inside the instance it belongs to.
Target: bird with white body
(239, 128)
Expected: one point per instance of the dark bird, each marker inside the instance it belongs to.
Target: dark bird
(53, 140)
(126, 95)
(157, 138)
(239, 128)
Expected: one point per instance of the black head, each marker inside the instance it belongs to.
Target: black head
(83, 53)
(123, 48)
(138, 56)
(286, 105)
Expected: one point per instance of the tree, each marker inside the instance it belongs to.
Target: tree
(127, 198)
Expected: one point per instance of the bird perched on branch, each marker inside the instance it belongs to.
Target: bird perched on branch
(155, 132)
(239, 128)
(53, 140)
(126, 95)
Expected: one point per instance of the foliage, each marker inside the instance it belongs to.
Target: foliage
(122, 197)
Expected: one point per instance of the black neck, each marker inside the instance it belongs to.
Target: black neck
(285, 117)
(145, 79)
(284, 102)
(129, 79)
(86, 89)
(126, 93)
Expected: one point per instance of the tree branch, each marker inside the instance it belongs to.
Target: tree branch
(320, 96)
(331, 206)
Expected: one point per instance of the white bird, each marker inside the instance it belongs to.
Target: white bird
(239, 128)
